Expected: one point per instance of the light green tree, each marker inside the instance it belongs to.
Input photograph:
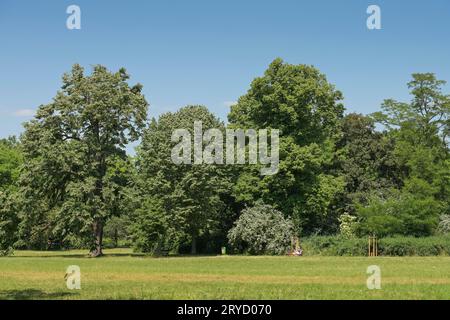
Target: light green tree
(76, 168)
(300, 102)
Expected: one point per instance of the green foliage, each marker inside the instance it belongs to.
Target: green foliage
(348, 226)
(190, 196)
(422, 156)
(10, 162)
(76, 170)
(262, 230)
(394, 246)
(428, 113)
(69, 180)
(444, 224)
(152, 231)
(116, 230)
(365, 159)
(334, 246)
(419, 129)
(297, 100)
(400, 214)
(9, 221)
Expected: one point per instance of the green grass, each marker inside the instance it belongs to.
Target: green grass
(122, 275)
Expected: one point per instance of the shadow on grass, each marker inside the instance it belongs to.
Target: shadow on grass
(32, 294)
(76, 256)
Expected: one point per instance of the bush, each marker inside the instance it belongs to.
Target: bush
(395, 246)
(262, 230)
(400, 214)
(348, 225)
(334, 246)
(8, 223)
(444, 224)
(151, 230)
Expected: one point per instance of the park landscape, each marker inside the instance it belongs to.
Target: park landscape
(121, 274)
(142, 227)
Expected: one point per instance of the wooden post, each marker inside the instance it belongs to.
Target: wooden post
(376, 246)
(373, 246)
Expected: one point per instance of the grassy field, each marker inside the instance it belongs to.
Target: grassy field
(122, 275)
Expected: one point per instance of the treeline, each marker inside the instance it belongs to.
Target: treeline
(68, 181)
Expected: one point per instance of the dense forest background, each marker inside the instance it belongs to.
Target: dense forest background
(68, 182)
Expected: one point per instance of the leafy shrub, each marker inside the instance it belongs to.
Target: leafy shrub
(400, 214)
(334, 246)
(395, 246)
(8, 224)
(151, 230)
(444, 224)
(262, 230)
(348, 225)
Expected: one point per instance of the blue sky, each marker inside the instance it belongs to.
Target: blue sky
(208, 51)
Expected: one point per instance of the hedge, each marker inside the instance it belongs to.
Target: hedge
(395, 246)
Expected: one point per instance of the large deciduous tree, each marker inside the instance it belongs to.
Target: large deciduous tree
(76, 166)
(428, 113)
(10, 163)
(419, 129)
(365, 158)
(300, 102)
(180, 201)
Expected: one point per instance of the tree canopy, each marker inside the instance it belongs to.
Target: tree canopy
(188, 195)
(69, 174)
(300, 102)
(75, 158)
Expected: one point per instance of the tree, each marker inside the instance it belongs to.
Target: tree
(421, 155)
(444, 224)
(117, 229)
(428, 112)
(152, 229)
(10, 163)
(400, 213)
(262, 230)
(299, 101)
(365, 158)
(190, 195)
(420, 129)
(76, 165)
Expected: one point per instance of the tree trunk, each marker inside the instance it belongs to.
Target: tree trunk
(97, 251)
(194, 245)
(116, 238)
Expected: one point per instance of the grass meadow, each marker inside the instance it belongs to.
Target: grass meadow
(124, 275)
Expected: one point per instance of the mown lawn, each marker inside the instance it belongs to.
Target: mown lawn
(122, 275)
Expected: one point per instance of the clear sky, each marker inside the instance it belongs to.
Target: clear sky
(208, 51)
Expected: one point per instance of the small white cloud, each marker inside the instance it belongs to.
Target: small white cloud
(24, 113)
(230, 103)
